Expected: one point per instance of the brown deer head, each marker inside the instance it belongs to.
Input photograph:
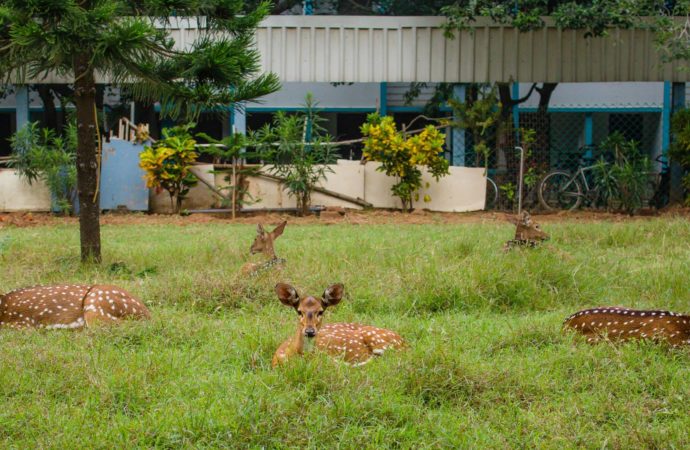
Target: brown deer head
(310, 309)
(529, 230)
(263, 242)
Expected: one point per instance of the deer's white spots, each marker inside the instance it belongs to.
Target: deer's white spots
(60, 306)
(76, 324)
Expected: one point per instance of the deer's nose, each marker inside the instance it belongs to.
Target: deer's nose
(310, 332)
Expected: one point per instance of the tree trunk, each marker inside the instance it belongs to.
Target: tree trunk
(87, 164)
(178, 204)
(304, 204)
(50, 119)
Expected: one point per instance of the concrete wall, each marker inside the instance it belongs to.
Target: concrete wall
(17, 195)
(463, 190)
(200, 197)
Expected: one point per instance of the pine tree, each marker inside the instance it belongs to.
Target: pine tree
(129, 42)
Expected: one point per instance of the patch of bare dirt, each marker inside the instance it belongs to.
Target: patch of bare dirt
(338, 216)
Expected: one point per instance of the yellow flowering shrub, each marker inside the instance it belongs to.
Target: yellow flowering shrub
(402, 157)
(167, 164)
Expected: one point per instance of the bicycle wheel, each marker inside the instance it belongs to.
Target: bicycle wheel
(491, 194)
(559, 190)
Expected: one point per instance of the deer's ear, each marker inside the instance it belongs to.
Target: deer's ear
(277, 231)
(333, 294)
(259, 229)
(287, 294)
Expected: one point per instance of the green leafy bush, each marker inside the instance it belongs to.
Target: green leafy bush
(625, 182)
(167, 164)
(42, 154)
(299, 150)
(233, 150)
(401, 156)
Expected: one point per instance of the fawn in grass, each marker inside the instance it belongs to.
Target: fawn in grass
(527, 233)
(68, 306)
(616, 323)
(353, 342)
(263, 243)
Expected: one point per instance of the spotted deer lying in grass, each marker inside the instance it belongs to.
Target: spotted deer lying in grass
(263, 243)
(355, 343)
(616, 323)
(68, 306)
(527, 233)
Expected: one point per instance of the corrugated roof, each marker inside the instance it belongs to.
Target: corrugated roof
(405, 49)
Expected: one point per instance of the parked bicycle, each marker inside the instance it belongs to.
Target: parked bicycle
(562, 190)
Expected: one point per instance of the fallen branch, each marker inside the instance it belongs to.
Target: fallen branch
(347, 198)
(214, 189)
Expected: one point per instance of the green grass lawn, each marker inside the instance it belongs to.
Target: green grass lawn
(487, 367)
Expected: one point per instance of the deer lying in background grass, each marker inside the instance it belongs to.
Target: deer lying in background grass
(355, 343)
(616, 323)
(527, 233)
(68, 306)
(263, 243)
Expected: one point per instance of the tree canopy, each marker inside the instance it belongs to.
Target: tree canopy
(129, 41)
(595, 17)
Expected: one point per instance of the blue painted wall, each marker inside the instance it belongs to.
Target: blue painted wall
(122, 181)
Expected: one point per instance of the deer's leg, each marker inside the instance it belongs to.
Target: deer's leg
(93, 318)
(111, 304)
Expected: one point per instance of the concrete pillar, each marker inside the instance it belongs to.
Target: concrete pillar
(239, 120)
(677, 101)
(383, 99)
(458, 142)
(22, 110)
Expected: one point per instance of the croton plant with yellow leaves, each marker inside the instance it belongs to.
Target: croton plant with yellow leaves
(401, 156)
(167, 164)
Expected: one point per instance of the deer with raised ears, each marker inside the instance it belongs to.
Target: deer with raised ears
(527, 233)
(263, 243)
(616, 323)
(68, 306)
(356, 344)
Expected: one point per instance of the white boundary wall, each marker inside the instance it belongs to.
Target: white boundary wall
(464, 189)
(18, 195)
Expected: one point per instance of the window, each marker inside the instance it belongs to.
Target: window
(629, 125)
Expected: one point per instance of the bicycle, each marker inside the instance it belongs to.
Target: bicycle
(561, 190)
